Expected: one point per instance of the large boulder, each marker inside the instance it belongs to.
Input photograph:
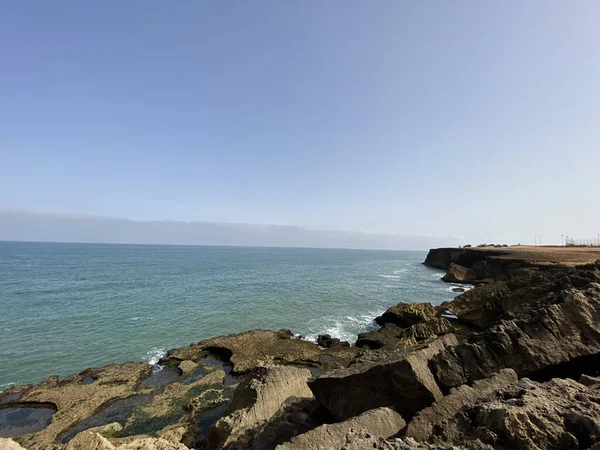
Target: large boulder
(403, 382)
(255, 402)
(381, 422)
(252, 349)
(456, 274)
(421, 426)
(406, 314)
(556, 335)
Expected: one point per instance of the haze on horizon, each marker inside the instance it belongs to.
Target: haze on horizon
(417, 124)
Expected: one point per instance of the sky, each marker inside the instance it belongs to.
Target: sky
(463, 118)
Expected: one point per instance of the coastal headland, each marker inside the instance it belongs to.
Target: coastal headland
(511, 363)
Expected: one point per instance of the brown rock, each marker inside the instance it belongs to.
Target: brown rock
(421, 426)
(406, 314)
(187, 366)
(9, 444)
(89, 440)
(557, 332)
(456, 274)
(152, 444)
(76, 401)
(559, 414)
(403, 382)
(258, 347)
(255, 401)
(381, 422)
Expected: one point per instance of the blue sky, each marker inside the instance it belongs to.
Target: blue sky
(475, 119)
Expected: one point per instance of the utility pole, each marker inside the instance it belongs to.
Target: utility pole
(535, 239)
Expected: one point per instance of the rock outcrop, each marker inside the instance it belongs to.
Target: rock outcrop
(559, 414)
(405, 315)
(556, 333)
(381, 423)
(403, 382)
(326, 341)
(421, 426)
(252, 349)
(255, 402)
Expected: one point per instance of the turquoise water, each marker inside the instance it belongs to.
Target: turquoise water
(67, 307)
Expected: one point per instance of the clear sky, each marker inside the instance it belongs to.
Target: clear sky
(469, 118)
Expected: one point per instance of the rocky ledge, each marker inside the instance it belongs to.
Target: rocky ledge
(513, 363)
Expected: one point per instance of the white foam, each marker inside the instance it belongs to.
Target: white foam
(153, 355)
(344, 328)
(389, 276)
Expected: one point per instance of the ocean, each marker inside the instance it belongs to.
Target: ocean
(67, 307)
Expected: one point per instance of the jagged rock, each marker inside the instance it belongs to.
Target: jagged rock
(391, 337)
(559, 414)
(557, 332)
(421, 426)
(9, 444)
(381, 422)
(258, 347)
(326, 341)
(406, 314)
(404, 382)
(456, 274)
(187, 366)
(255, 401)
(89, 440)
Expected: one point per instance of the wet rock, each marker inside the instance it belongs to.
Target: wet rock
(381, 422)
(326, 341)
(255, 401)
(458, 289)
(421, 426)
(403, 382)
(406, 314)
(553, 332)
(559, 414)
(75, 401)
(259, 347)
(187, 367)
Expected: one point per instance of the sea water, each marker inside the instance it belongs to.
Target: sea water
(67, 307)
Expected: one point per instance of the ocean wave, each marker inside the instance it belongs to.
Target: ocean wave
(345, 328)
(6, 386)
(389, 276)
(153, 355)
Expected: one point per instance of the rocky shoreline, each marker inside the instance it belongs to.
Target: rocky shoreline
(512, 363)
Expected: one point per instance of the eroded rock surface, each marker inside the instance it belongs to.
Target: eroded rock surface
(259, 347)
(557, 331)
(421, 426)
(255, 402)
(559, 414)
(403, 382)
